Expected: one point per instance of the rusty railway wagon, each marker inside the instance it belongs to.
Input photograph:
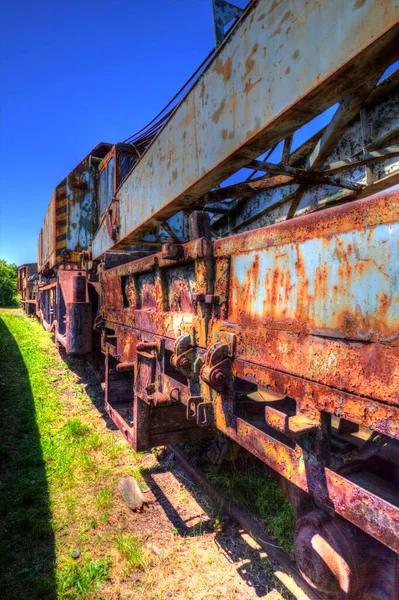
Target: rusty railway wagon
(67, 295)
(241, 264)
(26, 286)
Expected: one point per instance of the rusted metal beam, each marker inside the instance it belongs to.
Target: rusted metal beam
(311, 395)
(210, 112)
(245, 188)
(360, 160)
(371, 513)
(296, 199)
(285, 157)
(275, 169)
(346, 112)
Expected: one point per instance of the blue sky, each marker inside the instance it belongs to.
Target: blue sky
(76, 73)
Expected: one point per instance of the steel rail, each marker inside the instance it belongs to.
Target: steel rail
(248, 523)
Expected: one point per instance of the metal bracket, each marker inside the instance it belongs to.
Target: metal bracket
(216, 371)
(205, 414)
(192, 404)
(185, 358)
(112, 220)
(223, 13)
(293, 426)
(172, 251)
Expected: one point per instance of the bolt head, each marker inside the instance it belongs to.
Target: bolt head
(185, 363)
(219, 377)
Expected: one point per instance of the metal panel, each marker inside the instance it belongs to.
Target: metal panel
(82, 208)
(47, 241)
(266, 73)
(296, 286)
(345, 285)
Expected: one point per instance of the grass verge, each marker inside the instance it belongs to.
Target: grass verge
(60, 468)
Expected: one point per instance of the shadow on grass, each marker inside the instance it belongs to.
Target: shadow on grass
(90, 378)
(250, 561)
(27, 552)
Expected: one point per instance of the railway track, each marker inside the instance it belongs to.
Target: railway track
(248, 523)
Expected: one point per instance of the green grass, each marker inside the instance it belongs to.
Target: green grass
(131, 550)
(58, 476)
(249, 489)
(77, 580)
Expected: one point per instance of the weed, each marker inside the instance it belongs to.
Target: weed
(249, 488)
(104, 497)
(218, 525)
(76, 580)
(131, 550)
(76, 428)
(94, 441)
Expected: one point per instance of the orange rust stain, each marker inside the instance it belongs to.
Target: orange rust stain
(251, 132)
(321, 282)
(216, 115)
(288, 287)
(174, 175)
(249, 85)
(359, 4)
(288, 30)
(384, 303)
(224, 68)
(202, 92)
(286, 17)
(249, 62)
(275, 288)
(225, 134)
(296, 55)
(274, 5)
(261, 17)
(303, 298)
(283, 20)
(288, 69)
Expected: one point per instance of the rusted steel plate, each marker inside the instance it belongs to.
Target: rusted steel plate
(225, 121)
(340, 286)
(82, 206)
(156, 295)
(294, 287)
(311, 396)
(365, 369)
(373, 514)
(47, 241)
(72, 215)
(168, 325)
(381, 208)
(369, 512)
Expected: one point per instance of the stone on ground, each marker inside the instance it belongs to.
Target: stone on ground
(130, 492)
